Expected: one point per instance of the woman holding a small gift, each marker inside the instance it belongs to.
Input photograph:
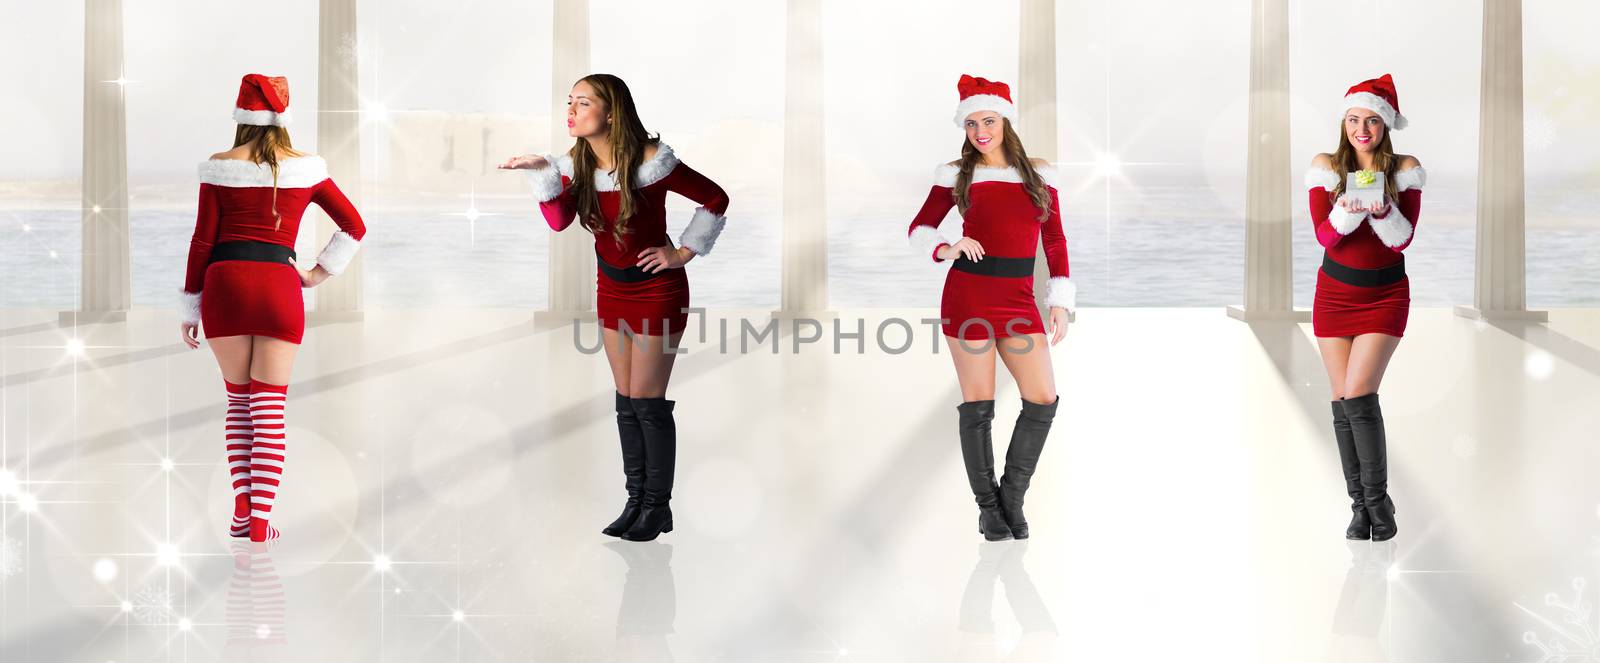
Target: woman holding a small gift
(1365, 200)
(613, 182)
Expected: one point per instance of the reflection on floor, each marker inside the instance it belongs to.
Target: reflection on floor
(450, 471)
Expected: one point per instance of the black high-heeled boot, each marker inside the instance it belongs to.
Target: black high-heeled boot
(1366, 425)
(977, 453)
(1360, 527)
(1022, 457)
(660, 456)
(632, 437)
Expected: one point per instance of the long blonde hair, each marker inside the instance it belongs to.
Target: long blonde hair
(265, 143)
(1383, 160)
(1016, 157)
(628, 139)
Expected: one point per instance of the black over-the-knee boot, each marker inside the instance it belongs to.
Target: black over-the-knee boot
(1366, 426)
(1022, 457)
(660, 456)
(632, 436)
(977, 453)
(1359, 528)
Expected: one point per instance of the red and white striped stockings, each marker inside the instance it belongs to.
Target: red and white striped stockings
(240, 435)
(256, 446)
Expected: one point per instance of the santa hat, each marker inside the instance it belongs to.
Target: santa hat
(1378, 96)
(978, 94)
(263, 101)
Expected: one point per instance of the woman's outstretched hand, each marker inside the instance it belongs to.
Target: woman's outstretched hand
(1379, 209)
(525, 162)
(1353, 206)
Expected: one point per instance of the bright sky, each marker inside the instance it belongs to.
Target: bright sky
(1148, 80)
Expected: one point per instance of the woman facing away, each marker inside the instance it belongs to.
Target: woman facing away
(244, 286)
(614, 182)
(1007, 202)
(1363, 296)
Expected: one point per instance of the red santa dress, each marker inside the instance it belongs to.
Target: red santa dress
(238, 280)
(995, 300)
(1362, 287)
(647, 303)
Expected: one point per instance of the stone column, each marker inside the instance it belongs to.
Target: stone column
(106, 280)
(805, 222)
(1500, 279)
(572, 266)
(1268, 261)
(339, 142)
(1036, 103)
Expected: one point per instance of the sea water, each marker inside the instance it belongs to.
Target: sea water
(1166, 247)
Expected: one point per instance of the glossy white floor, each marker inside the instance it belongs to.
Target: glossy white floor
(449, 471)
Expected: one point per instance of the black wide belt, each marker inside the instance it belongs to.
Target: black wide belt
(1365, 278)
(632, 274)
(248, 250)
(994, 266)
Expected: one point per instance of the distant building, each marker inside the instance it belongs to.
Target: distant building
(446, 152)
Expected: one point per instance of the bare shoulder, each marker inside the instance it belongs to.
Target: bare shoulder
(1039, 163)
(1323, 159)
(242, 153)
(650, 150)
(957, 162)
(1406, 162)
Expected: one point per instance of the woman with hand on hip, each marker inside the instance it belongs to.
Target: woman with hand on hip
(244, 286)
(1365, 200)
(1007, 202)
(614, 182)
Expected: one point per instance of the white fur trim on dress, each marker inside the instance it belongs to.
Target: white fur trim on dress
(546, 181)
(293, 172)
(1061, 292)
(1318, 176)
(1410, 178)
(1344, 222)
(985, 102)
(337, 254)
(653, 169)
(263, 118)
(562, 162)
(923, 238)
(945, 175)
(650, 171)
(1393, 230)
(703, 230)
(1372, 102)
(189, 306)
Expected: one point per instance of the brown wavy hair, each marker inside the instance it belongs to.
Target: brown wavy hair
(1383, 159)
(628, 139)
(1016, 157)
(265, 144)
